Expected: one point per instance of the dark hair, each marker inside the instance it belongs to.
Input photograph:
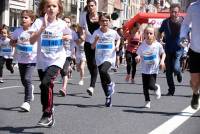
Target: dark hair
(69, 17)
(41, 9)
(29, 13)
(88, 1)
(174, 5)
(106, 15)
(7, 29)
(136, 25)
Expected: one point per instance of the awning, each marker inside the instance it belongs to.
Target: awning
(144, 18)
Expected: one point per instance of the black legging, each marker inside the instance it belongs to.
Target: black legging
(91, 63)
(131, 63)
(104, 76)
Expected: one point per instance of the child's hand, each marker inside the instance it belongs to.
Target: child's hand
(162, 65)
(97, 38)
(137, 59)
(45, 23)
(116, 48)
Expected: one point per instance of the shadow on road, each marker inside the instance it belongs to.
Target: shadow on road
(19, 130)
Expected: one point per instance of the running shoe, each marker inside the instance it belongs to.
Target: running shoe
(90, 91)
(147, 104)
(46, 121)
(25, 107)
(195, 101)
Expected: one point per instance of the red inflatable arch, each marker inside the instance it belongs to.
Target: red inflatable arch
(143, 17)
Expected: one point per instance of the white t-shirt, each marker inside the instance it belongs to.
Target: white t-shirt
(80, 53)
(105, 47)
(69, 45)
(5, 49)
(25, 51)
(150, 57)
(51, 50)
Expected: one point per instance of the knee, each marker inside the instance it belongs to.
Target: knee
(194, 84)
(101, 71)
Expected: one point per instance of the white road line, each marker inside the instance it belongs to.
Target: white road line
(173, 123)
(9, 87)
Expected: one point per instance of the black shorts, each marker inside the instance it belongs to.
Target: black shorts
(194, 61)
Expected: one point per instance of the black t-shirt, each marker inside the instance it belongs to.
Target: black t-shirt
(92, 26)
(175, 28)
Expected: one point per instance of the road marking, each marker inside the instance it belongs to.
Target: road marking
(9, 87)
(173, 123)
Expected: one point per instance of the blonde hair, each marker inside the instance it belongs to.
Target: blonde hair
(41, 9)
(150, 26)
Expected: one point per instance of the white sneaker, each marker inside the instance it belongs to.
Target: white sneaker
(1, 80)
(90, 91)
(147, 104)
(81, 83)
(32, 93)
(158, 92)
(25, 106)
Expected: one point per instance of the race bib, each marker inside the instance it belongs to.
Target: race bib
(6, 51)
(51, 44)
(149, 59)
(24, 49)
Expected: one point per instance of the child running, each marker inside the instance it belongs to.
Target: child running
(151, 55)
(26, 54)
(6, 52)
(103, 41)
(49, 32)
(80, 53)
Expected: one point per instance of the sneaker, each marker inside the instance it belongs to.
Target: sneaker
(32, 93)
(132, 81)
(90, 91)
(179, 77)
(108, 102)
(127, 78)
(1, 81)
(81, 83)
(158, 91)
(25, 107)
(195, 101)
(46, 121)
(147, 104)
(12, 71)
(62, 92)
(111, 88)
(170, 93)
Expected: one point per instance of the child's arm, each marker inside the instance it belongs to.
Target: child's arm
(81, 37)
(138, 59)
(162, 61)
(117, 45)
(95, 42)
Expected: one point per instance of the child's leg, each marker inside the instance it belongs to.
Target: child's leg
(104, 76)
(82, 69)
(26, 71)
(2, 62)
(145, 82)
(152, 82)
(47, 77)
(64, 74)
(9, 65)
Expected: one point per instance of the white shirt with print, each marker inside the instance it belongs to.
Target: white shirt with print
(25, 52)
(105, 47)
(150, 57)
(5, 49)
(51, 50)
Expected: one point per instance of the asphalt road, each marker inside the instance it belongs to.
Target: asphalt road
(78, 113)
